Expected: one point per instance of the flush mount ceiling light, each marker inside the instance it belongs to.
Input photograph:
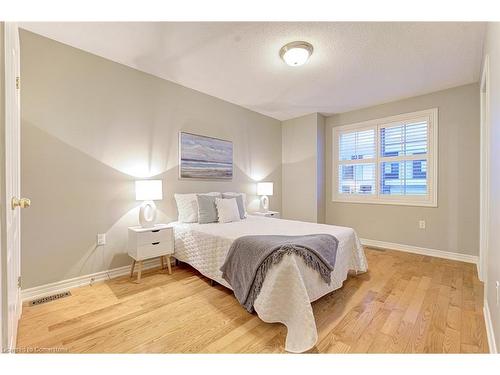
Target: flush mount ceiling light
(296, 53)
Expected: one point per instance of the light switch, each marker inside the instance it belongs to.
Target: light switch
(101, 239)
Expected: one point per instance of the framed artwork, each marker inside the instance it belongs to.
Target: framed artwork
(204, 157)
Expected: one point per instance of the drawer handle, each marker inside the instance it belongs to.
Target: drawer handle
(156, 230)
(155, 243)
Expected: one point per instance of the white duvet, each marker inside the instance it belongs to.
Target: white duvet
(290, 286)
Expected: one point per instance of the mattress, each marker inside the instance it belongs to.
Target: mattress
(290, 286)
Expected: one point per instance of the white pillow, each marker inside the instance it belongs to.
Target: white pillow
(227, 210)
(244, 199)
(187, 206)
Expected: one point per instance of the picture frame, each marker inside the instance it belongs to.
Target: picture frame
(205, 158)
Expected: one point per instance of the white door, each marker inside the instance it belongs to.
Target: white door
(12, 182)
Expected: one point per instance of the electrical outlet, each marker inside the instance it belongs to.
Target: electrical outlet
(421, 224)
(101, 239)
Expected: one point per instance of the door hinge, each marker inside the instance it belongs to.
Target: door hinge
(18, 83)
(19, 282)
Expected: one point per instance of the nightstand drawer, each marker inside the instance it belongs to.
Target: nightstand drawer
(145, 243)
(149, 237)
(153, 250)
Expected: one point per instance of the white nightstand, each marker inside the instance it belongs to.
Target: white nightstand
(274, 214)
(147, 243)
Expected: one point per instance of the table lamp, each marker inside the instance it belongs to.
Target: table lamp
(148, 191)
(264, 189)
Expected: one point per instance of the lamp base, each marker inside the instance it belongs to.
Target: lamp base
(264, 203)
(147, 214)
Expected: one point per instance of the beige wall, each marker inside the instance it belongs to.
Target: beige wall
(452, 226)
(320, 169)
(492, 49)
(90, 127)
(302, 158)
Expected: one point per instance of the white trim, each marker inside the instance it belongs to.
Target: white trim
(429, 200)
(63, 285)
(420, 250)
(484, 214)
(489, 328)
(398, 201)
(12, 127)
(2, 222)
(385, 120)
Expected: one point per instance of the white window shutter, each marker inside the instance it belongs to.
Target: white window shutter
(388, 161)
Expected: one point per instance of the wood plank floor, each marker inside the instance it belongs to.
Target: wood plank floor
(406, 303)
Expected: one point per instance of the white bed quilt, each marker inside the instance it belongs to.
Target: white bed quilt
(290, 286)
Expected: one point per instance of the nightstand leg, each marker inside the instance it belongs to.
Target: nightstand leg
(169, 265)
(139, 272)
(132, 269)
(162, 263)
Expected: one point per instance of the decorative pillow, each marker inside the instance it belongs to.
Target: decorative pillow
(227, 210)
(234, 195)
(239, 202)
(207, 211)
(187, 206)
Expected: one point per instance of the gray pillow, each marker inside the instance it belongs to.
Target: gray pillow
(239, 202)
(207, 211)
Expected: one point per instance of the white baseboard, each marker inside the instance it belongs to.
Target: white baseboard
(489, 328)
(421, 250)
(63, 285)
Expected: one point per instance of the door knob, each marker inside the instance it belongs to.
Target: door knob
(23, 202)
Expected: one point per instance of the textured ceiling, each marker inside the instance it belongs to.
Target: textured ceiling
(354, 65)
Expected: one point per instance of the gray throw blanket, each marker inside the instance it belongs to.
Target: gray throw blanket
(250, 257)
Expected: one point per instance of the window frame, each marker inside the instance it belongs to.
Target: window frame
(428, 200)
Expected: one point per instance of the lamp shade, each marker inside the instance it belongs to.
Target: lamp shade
(148, 190)
(264, 188)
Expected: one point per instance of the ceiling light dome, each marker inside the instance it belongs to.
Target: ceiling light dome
(296, 53)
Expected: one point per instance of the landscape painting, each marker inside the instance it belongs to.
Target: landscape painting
(205, 157)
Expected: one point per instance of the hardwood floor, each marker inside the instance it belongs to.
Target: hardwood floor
(406, 303)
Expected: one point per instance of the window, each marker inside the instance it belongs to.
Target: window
(387, 161)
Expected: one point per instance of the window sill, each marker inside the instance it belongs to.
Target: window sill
(413, 203)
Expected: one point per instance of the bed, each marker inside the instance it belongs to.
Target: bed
(290, 286)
